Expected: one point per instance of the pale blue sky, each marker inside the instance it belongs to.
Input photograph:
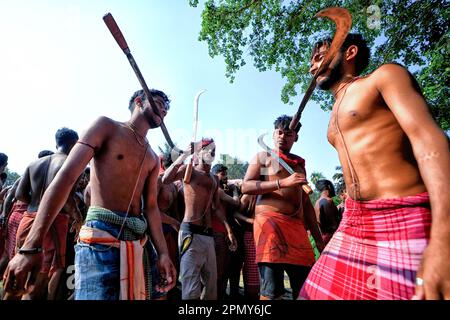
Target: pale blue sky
(60, 66)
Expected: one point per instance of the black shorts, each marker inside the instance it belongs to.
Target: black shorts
(272, 278)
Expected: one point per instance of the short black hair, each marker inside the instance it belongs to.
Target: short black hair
(362, 57)
(153, 92)
(341, 189)
(218, 167)
(45, 153)
(65, 135)
(283, 121)
(3, 159)
(324, 184)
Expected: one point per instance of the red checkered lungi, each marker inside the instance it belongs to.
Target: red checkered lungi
(375, 252)
(250, 270)
(15, 217)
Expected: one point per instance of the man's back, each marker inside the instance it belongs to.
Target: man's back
(38, 177)
(385, 165)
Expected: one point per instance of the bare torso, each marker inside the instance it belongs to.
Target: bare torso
(121, 152)
(285, 201)
(197, 195)
(167, 199)
(40, 175)
(380, 161)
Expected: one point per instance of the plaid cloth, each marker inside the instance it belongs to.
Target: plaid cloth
(375, 252)
(134, 228)
(18, 210)
(250, 270)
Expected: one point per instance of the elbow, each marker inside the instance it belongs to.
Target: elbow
(245, 188)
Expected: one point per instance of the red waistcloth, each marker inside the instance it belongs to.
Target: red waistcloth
(217, 225)
(54, 246)
(17, 212)
(375, 252)
(281, 239)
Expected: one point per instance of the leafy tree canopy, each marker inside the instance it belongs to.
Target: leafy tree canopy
(279, 35)
(236, 168)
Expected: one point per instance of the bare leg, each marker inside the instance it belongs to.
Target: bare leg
(40, 288)
(53, 284)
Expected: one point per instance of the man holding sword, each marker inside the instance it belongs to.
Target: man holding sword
(283, 214)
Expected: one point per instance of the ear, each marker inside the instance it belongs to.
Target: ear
(351, 52)
(138, 102)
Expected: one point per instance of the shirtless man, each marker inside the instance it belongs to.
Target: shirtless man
(123, 169)
(283, 214)
(170, 217)
(36, 179)
(195, 239)
(396, 162)
(327, 213)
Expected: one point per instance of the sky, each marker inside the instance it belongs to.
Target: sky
(60, 67)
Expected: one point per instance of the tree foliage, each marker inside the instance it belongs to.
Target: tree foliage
(12, 177)
(236, 168)
(279, 35)
(316, 176)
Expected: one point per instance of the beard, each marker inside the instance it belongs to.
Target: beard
(336, 73)
(151, 118)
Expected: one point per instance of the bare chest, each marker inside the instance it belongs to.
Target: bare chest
(352, 112)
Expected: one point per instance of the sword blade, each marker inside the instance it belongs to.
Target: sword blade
(274, 155)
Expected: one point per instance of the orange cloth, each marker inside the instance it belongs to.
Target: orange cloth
(281, 239)
(54, 246)
(132, 279)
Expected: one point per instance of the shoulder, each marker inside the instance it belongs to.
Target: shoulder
(389, 71)
(103, 123)
(153, 159)
(261, 157)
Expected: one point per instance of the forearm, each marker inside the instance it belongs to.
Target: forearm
(167, 219)
(156, 233)
(434, 166)
(241, 217)
(255, 187)
(171, 172)
(311, 220)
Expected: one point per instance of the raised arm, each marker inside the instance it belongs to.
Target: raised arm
(431, 150)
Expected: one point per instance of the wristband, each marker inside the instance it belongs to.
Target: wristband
(30, 251)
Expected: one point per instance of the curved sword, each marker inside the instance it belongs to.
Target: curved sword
(343, 20)
(188, 172)
(283, 163)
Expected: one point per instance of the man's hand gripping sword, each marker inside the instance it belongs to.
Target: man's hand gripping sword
(283, 163)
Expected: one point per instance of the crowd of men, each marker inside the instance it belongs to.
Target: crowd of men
(141, 226)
